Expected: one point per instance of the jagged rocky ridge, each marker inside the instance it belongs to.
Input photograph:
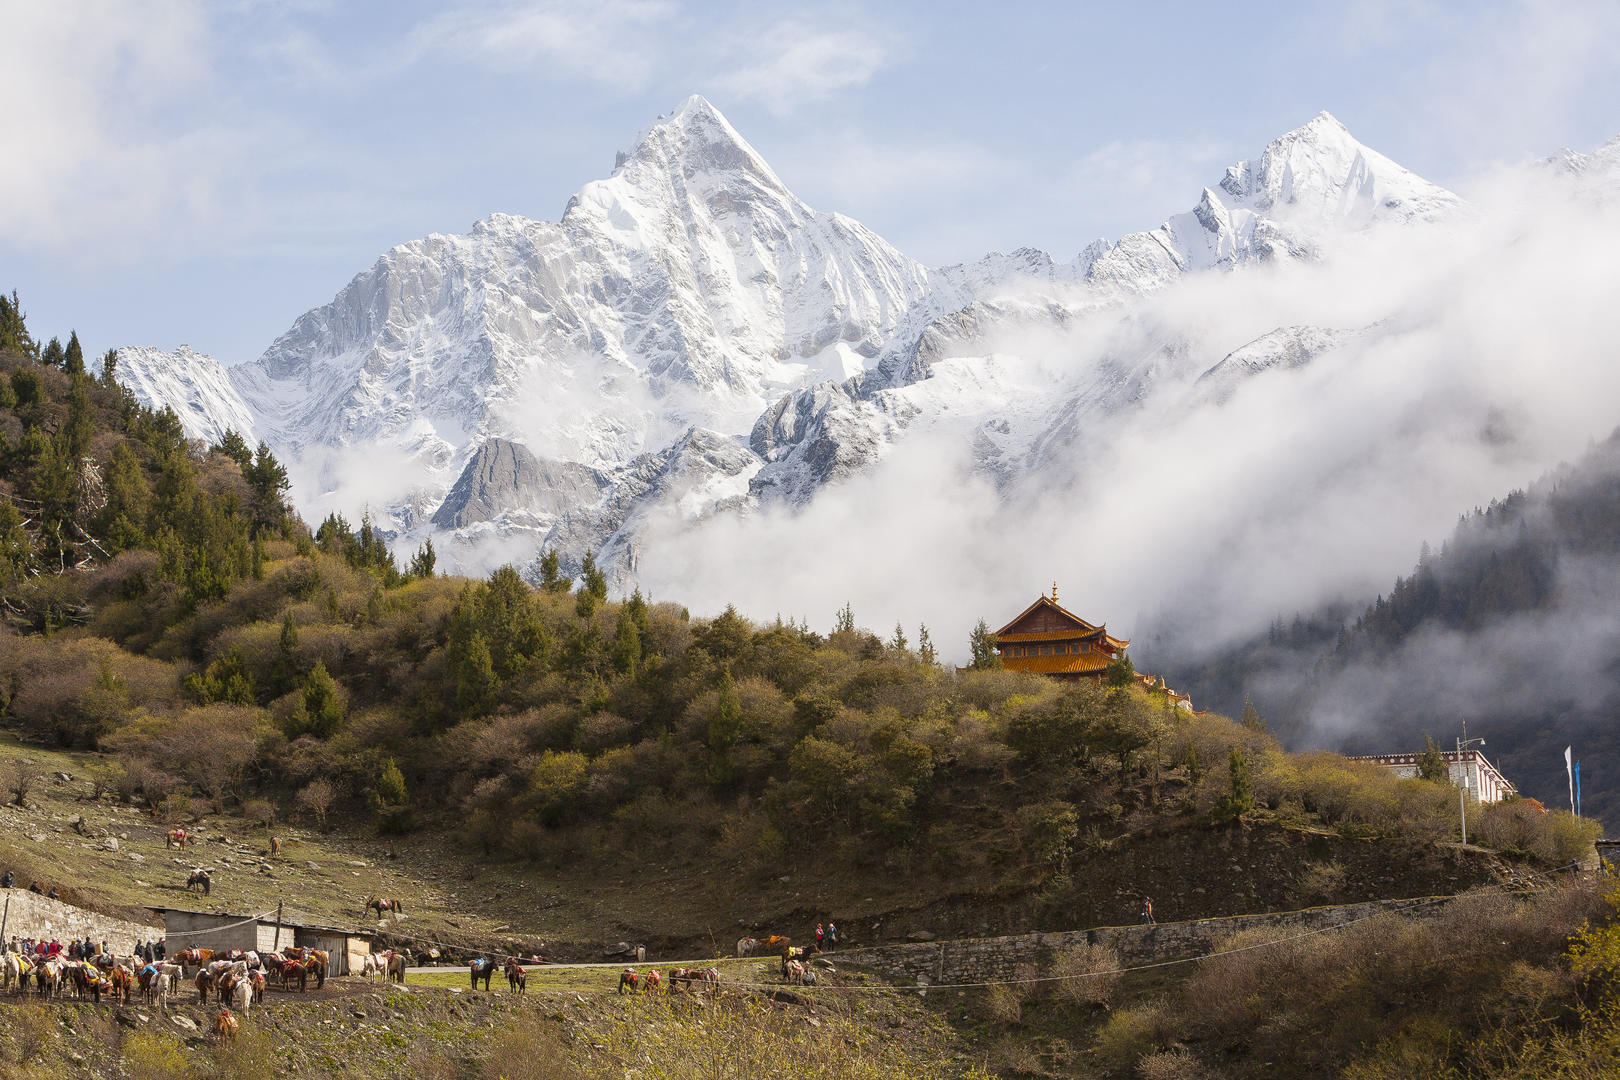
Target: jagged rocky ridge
(691, 338)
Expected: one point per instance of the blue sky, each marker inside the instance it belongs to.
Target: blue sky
(204, 172)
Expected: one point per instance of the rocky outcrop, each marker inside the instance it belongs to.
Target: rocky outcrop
(503, 476)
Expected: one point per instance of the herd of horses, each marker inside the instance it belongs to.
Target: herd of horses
(236, 977)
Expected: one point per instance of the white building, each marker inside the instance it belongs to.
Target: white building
(1469, 770)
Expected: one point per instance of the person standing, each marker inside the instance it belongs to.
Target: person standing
(1147, 910)
(832, 934)
(821, 936)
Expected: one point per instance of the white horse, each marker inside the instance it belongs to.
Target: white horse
(372, 965)
(746, 946)
(10, 969)
(162, 984)
(242, 996)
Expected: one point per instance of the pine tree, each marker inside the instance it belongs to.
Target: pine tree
(982, 644)
(592, 580)
(1241, 798)
(73, 355)
(1251, 716)
(52, 356)
(233, 446)
(551, 579)
(423, 562)
(626, 643)
(476, 682)
(844, 619)
(14, 327)
(637, 607)
(1431, 763)
(925, 645)
(109, 368)
(725, 728)
(1120, 671)
(899, 642)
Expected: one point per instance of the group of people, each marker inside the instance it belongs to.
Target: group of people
(8, 880)
(826, 936)
(80, 950)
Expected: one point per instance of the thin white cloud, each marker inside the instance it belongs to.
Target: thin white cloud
(792, 62)
(611, 42)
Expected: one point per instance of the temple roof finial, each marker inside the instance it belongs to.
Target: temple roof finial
(1054, 592)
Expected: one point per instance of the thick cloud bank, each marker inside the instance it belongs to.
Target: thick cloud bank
(1475, 354)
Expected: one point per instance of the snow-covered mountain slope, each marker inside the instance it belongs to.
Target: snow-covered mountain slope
(691, 338)
(196, 386)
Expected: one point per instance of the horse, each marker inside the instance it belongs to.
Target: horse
(162, 985)
(747, 945)
(371, 965)
(178, 838)
(684, 977)
(293, 969)
(205, 982)
(13, 969)
(87, 980)
(121, 979)
(192, 958)
(275, 846)
(794, 971)
(481, 968)
(397, 963)
(774, 945)
(200, 876)
(517, 980)
(225, 1024)
(242, 995)
(47, 978)
(629, 978)
(257, 980)
(790, 954)
(379, 905)
(316, 961)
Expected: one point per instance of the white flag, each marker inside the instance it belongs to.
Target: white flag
(1569, 767)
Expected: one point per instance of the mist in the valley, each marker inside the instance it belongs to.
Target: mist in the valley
(1488, 355)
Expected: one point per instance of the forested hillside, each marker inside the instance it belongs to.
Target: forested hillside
(1510, 625)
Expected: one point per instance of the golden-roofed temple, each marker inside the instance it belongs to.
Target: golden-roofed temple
(1051, 640)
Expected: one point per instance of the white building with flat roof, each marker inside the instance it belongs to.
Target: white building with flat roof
(1469, 770)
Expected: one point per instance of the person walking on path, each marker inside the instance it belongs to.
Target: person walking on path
(1147, 911)
(821, 936)
(832, 934)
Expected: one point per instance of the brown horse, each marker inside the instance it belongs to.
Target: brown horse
(481, 968)
(275, 845)
(225, 1024)
(205, 982)
(294, 969)
(517, 980)
(629, 980)
(193, 957)
(316, 961)
(122, 981)
(201, 877)
(774, 945)
(179, 838)
(380, 905)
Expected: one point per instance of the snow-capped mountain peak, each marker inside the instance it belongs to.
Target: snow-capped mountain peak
(1319, 174)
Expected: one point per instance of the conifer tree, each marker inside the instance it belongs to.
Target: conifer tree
(1241, 798)
(551, 578)
(1251, 716)
(14, 327)
(52, 356)
(1120, 671)
(844, 619)
(925, 645)
(476, 682)
(592, 580)
(626, 643)
(73, 355)
(233, 446)
(982, 645)
(899, 642)
(423, 562)
(637, 607)
(109, 368)
(1431, 763)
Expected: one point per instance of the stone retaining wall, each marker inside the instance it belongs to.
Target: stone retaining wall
(38, 917)
(988, 959)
